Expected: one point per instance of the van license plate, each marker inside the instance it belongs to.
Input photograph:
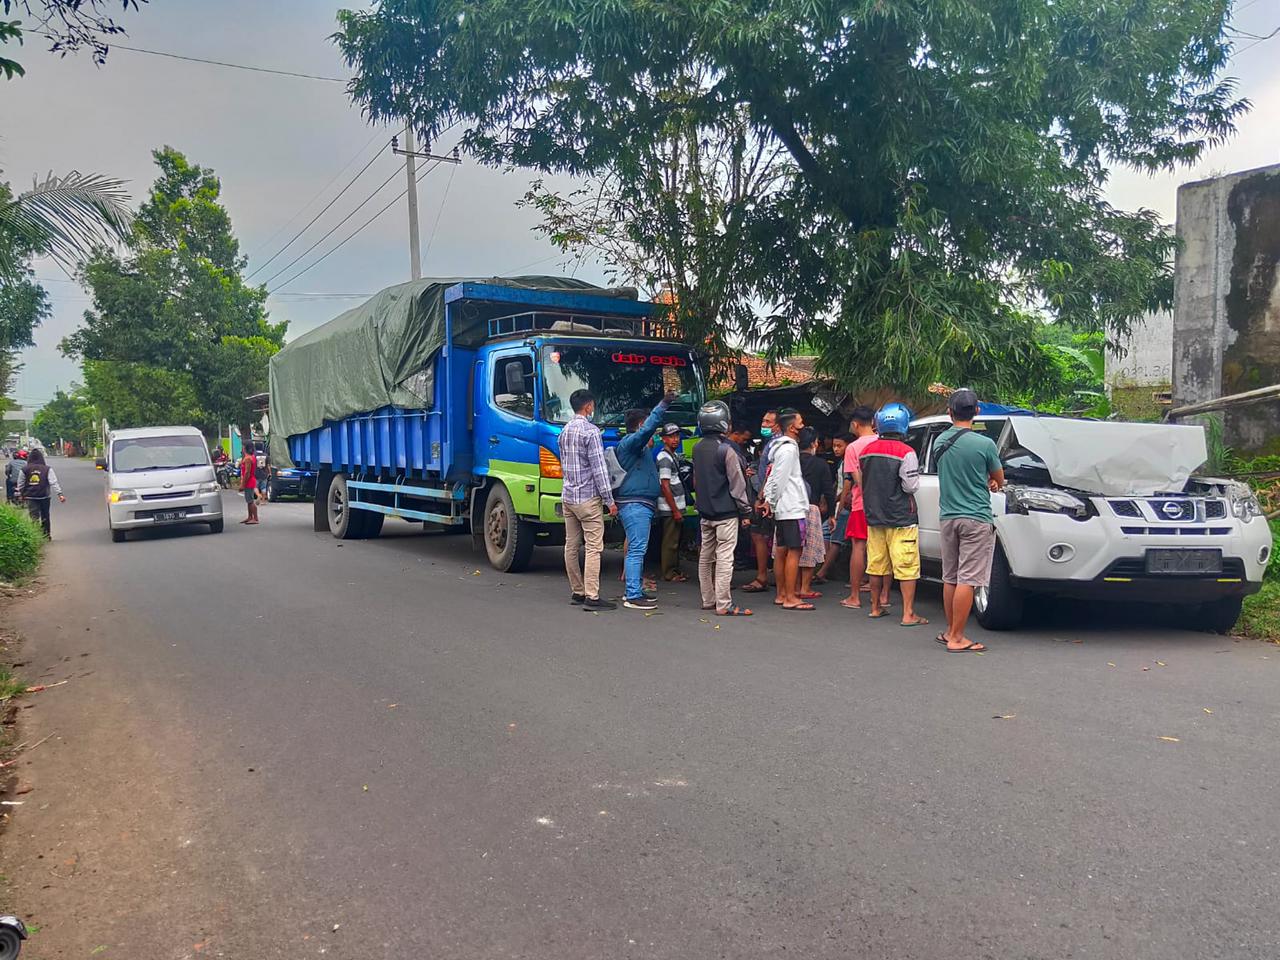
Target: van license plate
(1184, 561)
(170, 515)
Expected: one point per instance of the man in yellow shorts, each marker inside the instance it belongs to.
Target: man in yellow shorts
(889, 475)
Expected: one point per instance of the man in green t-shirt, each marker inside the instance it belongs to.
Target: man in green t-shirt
(969, 471)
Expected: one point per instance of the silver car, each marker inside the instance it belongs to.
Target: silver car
(160, 476)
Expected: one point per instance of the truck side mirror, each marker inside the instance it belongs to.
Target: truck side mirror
(100, 463)
(514, 372)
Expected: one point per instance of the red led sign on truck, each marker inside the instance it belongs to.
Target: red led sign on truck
(658, 360)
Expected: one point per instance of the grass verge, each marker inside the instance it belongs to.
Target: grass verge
(10, 686)
(21, 544)
(1261, 615)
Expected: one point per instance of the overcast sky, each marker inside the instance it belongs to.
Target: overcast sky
(276, 142)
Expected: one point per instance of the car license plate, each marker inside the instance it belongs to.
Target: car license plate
(170, 515)
(1184, 561)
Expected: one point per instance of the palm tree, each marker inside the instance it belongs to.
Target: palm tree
(62, 217)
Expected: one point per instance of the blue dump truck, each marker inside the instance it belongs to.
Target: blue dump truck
(441, 402)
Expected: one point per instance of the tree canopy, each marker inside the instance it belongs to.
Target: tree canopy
(949, 157)
(175, 302)
(68, 25)
(69, 416)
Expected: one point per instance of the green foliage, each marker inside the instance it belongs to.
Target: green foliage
(21, 543)
(140, 395)
(1260, 617)
(172, 316)
(11, 30)
(68, 416)
(64, 217)
(68, 25)
(946, 159)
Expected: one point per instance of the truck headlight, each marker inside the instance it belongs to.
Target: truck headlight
(211, 487)
(1044, 500)
(1244, 504)
(122, 496)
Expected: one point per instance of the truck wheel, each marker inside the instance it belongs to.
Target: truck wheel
(344, 523)
(1218, 616)
(508, 540)
(998, 606)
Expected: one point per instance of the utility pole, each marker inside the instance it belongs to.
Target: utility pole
(411, 170)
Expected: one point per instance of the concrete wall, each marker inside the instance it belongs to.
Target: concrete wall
(1143, 369)
(1226, 328)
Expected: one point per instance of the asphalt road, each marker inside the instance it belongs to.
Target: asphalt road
(447, 762)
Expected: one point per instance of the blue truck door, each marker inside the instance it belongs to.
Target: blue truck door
(506, 428)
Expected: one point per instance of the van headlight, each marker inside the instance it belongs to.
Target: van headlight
(210, 487)
(122, 496)
(1244, 504)
(1043, 500)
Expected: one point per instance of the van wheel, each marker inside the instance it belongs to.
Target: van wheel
(118, 536)
(998, 606)
(216, 526)
(1218, 616)
(508, 540)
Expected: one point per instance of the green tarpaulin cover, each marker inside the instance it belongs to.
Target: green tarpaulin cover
(378, 354)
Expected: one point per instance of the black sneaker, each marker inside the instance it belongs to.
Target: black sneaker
(640, 603)
(595, 603)
(576, 598)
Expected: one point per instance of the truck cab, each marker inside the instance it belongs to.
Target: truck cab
(521, 388)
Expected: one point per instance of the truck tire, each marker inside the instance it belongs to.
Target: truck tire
(344, 523)
(998, 606)
(508, 540)
(1218, 616)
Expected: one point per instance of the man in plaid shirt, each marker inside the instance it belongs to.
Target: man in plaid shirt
(586, 495)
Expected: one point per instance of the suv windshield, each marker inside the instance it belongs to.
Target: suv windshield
(620, 379)
(158, 453)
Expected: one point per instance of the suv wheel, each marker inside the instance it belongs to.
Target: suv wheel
(998, 606)
(1218, 616)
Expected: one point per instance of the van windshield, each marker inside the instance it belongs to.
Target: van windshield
(136, 454)
(620, 379)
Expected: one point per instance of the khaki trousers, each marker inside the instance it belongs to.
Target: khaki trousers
(715, 561)
(584, 522)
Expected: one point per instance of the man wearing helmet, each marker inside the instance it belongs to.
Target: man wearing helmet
(724, 505)
(888, 474)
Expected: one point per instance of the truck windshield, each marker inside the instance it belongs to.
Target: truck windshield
(620, 378)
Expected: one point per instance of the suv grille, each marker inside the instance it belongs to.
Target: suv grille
(1232, 567)
(1215, 509)
(1126, 508)
(1174, 510)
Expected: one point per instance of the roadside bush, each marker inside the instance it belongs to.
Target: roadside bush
(20, 543)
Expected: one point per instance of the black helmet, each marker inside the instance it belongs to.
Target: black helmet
(713, 417)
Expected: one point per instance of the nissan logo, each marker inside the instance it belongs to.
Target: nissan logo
(1171, 509)
(168, 485)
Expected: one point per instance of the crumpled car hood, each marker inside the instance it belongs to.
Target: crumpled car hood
(1113, 459)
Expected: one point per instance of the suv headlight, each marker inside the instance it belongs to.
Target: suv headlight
(122, 496)
(1244, 504)
(210, 487)
(1044, 500)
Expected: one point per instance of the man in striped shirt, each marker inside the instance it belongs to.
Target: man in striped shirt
(672, 503)
(585, 497)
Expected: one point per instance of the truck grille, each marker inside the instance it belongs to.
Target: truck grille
(168, 495)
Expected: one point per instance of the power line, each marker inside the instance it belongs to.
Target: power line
(223, 63)
(443, 200)
(334, 228)
(290, 222)
(358, 229)
(323, 210)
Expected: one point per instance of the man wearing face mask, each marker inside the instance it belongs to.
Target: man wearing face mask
(761, 525)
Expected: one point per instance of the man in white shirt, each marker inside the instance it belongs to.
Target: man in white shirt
(787, 501)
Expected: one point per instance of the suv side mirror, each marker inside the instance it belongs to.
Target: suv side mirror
(514, 372)
(100, 463)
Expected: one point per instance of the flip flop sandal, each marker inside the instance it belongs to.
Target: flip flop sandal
(971, 648)
(819, 580)
(811, 595)
(734, 612)
(801, 606)
(753, 587)
(878, 616)
(850, 606)
(708, 606)
(918, 622)
(941, 638)
(678, 578)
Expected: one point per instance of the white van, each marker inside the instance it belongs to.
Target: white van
(1105, 511)
(160, 476)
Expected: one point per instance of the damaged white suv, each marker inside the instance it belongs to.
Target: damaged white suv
(1105, 511)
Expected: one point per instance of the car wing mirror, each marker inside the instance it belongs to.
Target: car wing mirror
(100, 463)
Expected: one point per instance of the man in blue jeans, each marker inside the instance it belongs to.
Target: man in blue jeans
(637, 497)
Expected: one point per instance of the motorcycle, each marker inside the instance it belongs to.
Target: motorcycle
(226, 473)
(12, 933)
